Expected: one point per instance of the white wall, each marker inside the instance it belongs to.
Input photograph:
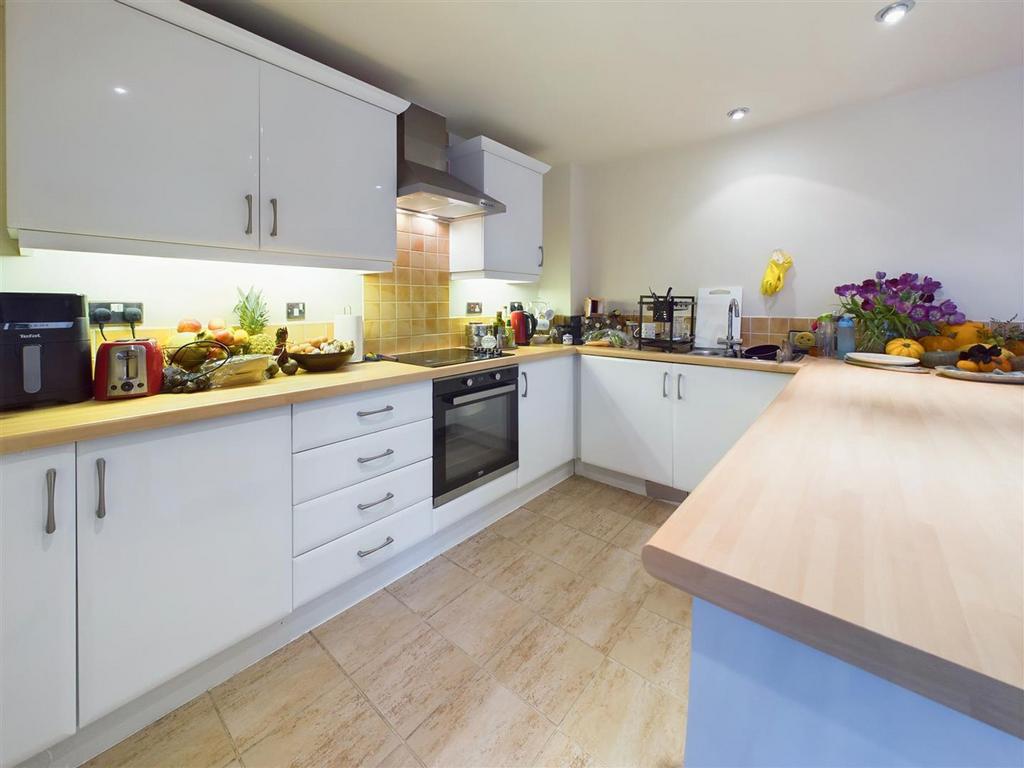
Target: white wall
(171, 289)
(931, 181)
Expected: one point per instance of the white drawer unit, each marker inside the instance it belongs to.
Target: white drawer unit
(332, 467)
(326, 567)
(336, 514)
(341, 418)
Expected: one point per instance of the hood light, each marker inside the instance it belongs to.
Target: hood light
(894, 12)
(738, 114)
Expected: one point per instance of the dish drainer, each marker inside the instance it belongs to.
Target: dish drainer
(674, 319)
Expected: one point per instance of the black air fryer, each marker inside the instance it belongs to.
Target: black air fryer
(45, 355)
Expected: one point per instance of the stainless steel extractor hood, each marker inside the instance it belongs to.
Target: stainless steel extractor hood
(424, 184)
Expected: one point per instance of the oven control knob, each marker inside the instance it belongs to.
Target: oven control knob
(497, 377)
(468, 382)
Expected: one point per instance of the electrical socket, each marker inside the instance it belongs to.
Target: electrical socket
(296, 310)
(116, 309)
(474, 308)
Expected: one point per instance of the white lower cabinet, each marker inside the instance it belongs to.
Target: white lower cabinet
(547, 418)
(37, 601)
(714, 407)
(473, 501)
(341, 560)
(184, 548)
(626, 416)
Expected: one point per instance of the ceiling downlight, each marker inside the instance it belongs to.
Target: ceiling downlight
(894, 13)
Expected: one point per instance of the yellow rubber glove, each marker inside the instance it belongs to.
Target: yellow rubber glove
(775, 273)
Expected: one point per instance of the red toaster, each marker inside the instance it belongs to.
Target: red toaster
(127, 368)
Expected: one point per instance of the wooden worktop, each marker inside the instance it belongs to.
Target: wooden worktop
(42, 427)
(879, 517)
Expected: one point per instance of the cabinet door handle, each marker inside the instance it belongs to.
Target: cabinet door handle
(541, 263)
(51, 487)
(248, 222)
(364, 507)
(664, 384)
(385, 409)
(365, 552)
(273, 227)
(364, 459)
(101, 504)
(526, 384)
(679, 386)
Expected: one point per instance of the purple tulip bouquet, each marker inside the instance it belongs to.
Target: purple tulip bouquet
(897, 307)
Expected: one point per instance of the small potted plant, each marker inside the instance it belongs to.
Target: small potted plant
(896, 307)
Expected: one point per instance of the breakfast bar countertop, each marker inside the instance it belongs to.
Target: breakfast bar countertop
(878, 517)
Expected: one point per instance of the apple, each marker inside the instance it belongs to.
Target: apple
(216, 324)
(224, 336)
(189, 325)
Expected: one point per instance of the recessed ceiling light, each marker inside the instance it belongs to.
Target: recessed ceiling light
(738, 114)
(119, 90)
(894, 12)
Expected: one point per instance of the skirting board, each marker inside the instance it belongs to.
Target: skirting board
(123, 722)
(630, 483)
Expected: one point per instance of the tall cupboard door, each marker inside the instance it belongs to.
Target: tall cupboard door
(122, 125)
(327, 170)
(713, 408)
(547, 418)
(513, 241)
(626, 416)
(37, 601)
(184, 548)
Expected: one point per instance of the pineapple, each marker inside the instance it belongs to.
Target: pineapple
(253, 317)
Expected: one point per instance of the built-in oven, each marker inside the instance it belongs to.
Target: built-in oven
(476, 430)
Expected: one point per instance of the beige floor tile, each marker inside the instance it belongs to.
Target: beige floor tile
(623, 501)
(623, 720)
(658, 650)
(402, 757)
(480, 621)
(536, 531)
(656, 512)
(634, 536)
(484, 554)
(670, 603)
(340, 728)
(580, 486)
(514, 524)
(532, 580)
(546, 667)
(485, 724)
(358, 634)
(557, 506)
(600, 522)
(563, 752)
(595, 615)
(414, 676)
(432, 586)
(258, 699)
(566, 546)
(192, 736)
(620, 571)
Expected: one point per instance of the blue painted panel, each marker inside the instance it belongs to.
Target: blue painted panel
(759, 698)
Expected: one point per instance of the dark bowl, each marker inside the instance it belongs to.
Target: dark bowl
(761, 352)
(322, 363)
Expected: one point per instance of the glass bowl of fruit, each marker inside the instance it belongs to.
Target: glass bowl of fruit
(322, 354)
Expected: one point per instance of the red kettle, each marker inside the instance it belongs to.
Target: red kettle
(524, 325)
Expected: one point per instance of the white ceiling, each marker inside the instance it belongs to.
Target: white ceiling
(584, 81)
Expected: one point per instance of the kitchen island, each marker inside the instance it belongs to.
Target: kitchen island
(877, 517)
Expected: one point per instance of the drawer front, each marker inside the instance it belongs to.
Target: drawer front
(331, 565)
(474, 501)
(328, 517)
(342, 418)
(332, 467)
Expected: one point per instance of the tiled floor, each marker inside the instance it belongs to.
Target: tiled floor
(540, 641)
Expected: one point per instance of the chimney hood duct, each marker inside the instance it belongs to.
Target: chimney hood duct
(424, 184)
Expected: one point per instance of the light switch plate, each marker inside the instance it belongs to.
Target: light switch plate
(296, 310)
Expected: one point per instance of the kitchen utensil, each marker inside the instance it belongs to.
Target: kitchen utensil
(323, 362)
(883, 367)
(713, 314)
(524, 325)
(762, 352)
(882, 359)
(128, 368)
(995, 377)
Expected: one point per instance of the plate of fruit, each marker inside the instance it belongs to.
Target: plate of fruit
(321, 354)
(984, 362)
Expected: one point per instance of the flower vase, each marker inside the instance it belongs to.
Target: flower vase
(871, 337)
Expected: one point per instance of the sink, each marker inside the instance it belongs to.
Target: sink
(707, 352)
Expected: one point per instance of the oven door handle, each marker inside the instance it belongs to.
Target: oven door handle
(486, 394)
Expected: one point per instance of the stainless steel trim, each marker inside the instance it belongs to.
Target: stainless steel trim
(664, 384)
(365, 459)
(541, 264)
(365, 552)
(364, 507)
(473, 397)
(385, 409)
(101, 504)
(51, 486)
(444, 498)
(273, 227)
(248, 225)
(526, 384)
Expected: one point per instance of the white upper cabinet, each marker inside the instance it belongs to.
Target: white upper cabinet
(138, 130)
(37, 601)
(508, 245)
(120, 125)
(327, 170)
(547, 417)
